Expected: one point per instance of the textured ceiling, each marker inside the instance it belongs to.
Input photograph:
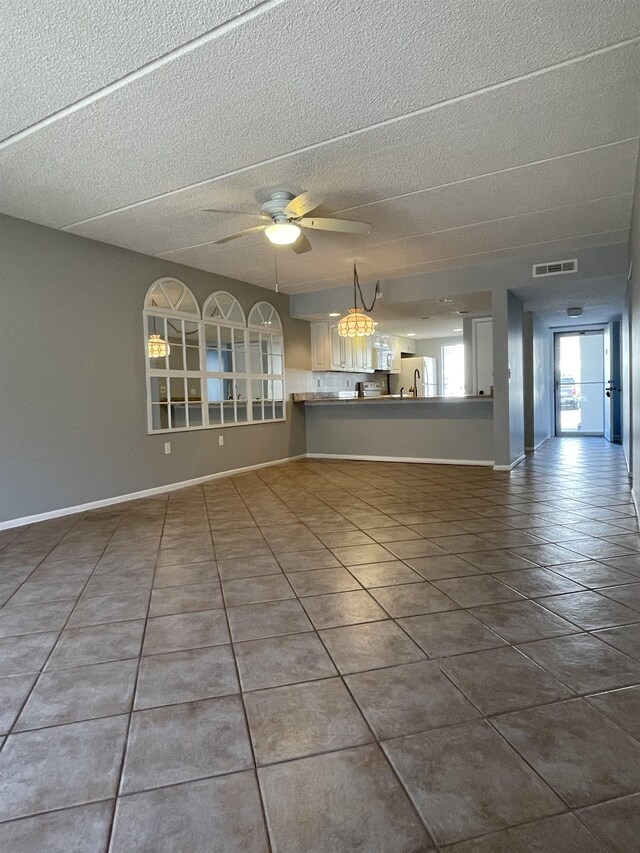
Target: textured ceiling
(431, 318)
(601, 299)
(462, 132)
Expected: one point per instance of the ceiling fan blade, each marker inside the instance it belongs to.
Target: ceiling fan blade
(347, 226)
(302, 204)
(301, 245)
(236, 212)
(253, 230)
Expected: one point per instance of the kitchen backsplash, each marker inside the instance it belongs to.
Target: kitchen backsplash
(299, 381)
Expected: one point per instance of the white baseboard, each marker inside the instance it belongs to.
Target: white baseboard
(509, 467)
(145, 493)
(420, 459)
(635, 503)
(539, 444)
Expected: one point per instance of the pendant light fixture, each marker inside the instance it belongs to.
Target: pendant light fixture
(157, 347)
(356, 323)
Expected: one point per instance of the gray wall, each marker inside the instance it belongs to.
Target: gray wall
(72, 376)
(411, 430)
(508, 376)
(625, 371)
(633, 445)
(538, 381)
(516, 379)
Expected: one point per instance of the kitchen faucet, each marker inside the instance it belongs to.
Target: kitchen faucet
(414, 388)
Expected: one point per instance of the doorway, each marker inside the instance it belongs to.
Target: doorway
(580, 382)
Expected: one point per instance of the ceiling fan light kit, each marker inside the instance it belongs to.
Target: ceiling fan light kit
(287, 215)
(283, 233)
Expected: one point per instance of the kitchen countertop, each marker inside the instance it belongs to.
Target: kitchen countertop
(327, 398)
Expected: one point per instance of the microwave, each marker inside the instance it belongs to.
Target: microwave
(382, 359)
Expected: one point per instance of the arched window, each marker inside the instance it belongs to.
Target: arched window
(171, 296)
(264, 317)
(266, 350)
(224, 307)
(225, 360)
(210, 370)
(172, 323)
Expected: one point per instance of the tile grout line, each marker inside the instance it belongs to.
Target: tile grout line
(125, 746)
(256, 778)
(42, 669)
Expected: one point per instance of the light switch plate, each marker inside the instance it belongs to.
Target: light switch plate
(220, 440)
(167, 447)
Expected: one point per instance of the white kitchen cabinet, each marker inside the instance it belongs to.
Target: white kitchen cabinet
(331, 352)
(320, 347)
(409, 345)
(396, 357)
(363, 355)
(482, 336)
(341, 350)
(381, 340)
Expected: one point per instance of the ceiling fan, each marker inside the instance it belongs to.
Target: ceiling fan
(287, 216)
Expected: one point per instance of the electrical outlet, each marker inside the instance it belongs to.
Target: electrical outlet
(319, 383)
(220, 440)
(167, 447)
(348, 383)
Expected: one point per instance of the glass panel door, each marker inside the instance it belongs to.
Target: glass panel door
(579, 368)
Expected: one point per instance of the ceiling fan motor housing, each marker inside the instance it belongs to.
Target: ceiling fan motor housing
(275, 206)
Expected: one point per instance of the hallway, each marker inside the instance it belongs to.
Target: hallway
(330, 656)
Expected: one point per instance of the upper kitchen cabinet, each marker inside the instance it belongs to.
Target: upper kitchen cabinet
(331, 352)
(482, 358)
(362, 355)
(398, 346)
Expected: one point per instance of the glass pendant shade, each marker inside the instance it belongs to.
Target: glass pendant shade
(157, 347)
(355, 325)
(283, 233)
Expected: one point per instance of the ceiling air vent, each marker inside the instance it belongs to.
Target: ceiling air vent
(555, 268)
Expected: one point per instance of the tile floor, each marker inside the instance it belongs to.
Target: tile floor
(330, 656)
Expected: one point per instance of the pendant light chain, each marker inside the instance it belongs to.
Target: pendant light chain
(356, 284)
(357, 323)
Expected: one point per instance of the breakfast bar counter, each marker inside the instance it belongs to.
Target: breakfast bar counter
(445, 430)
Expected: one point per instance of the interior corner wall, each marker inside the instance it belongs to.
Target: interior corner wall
(542, 382)
(527, 365)
(516, 376)
(508, 377)
(625, 375)
(73, 417)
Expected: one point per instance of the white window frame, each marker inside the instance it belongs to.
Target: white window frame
(224, 320)
(264, 321)
(184, 307)
(262, 315)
